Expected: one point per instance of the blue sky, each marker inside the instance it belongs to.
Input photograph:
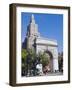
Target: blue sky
(49, 26)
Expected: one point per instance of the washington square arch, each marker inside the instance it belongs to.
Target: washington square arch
(39, 43)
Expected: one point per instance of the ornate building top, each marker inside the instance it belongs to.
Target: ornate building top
(32, 20)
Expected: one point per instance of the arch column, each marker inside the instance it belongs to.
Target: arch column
(55, 61)
(55, 65)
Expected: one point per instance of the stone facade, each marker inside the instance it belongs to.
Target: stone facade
(32, 33)
(41, 44)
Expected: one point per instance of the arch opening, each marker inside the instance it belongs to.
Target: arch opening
(49, 66)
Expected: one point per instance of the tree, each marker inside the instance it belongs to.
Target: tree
(24, 61)
(28, 59)
(44, 59)
(24, 55)
(31, 57)
(60, 60)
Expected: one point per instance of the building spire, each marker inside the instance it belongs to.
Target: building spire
(32, 16)
(32, 19)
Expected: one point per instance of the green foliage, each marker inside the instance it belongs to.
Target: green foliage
(32, 54)
(24, 54)
(44, 59)
(24, 58)
(32, 57)
(28, 55)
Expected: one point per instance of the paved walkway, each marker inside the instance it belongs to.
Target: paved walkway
(54, 74)
(49, 74)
